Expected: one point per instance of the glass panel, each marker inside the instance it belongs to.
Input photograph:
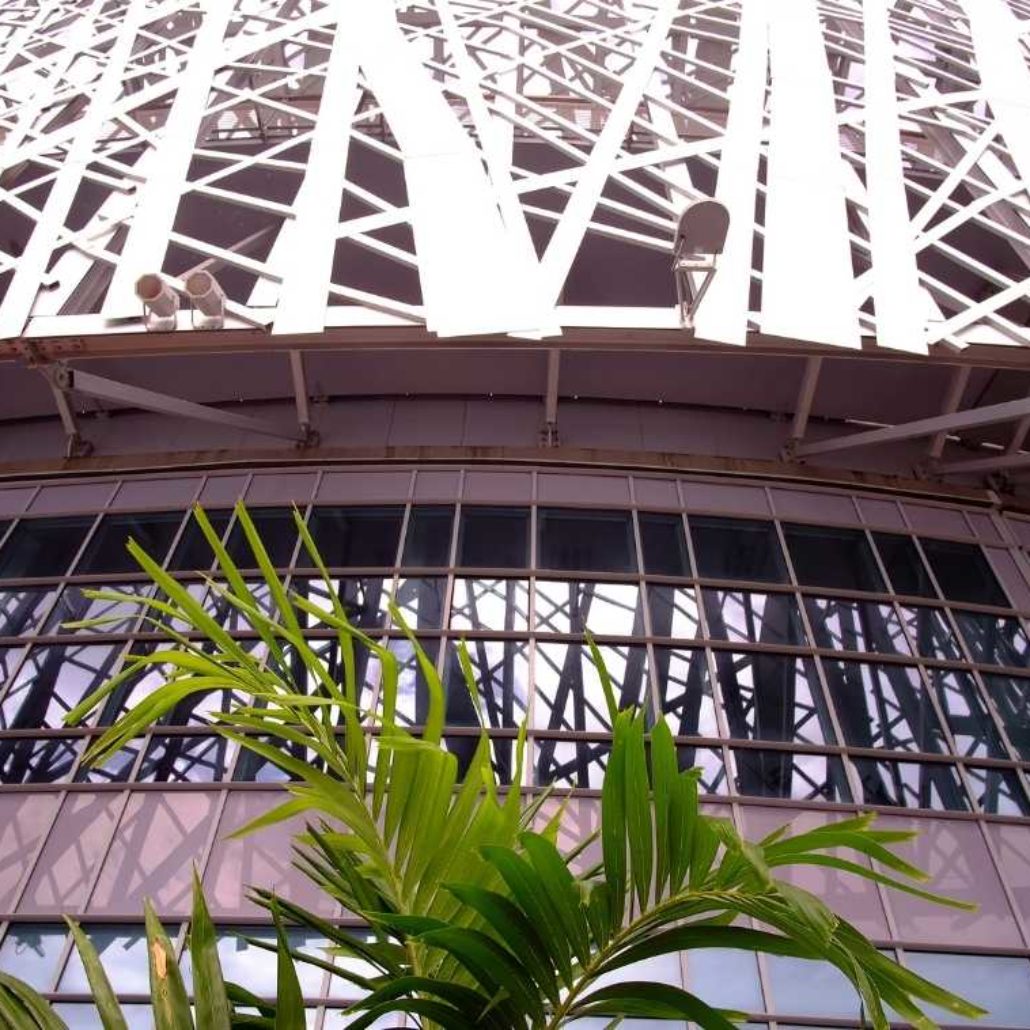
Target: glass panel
(709, 760)
(192, 551)
(840, 558)
(428, 541)
(22, 611)
(501, 672)
(254, 768)
(572, 763)
(993, 639)
(412, 696)
(75, 606)
(931, 632)
(363, 600)
(494, 538)
(53, 679)
(997, 791)
(464, 747)
(910, 784)
(37, 761)
(883, 706)
(737, 549)
(1011, 697)
(123, 952)
(187, 760)
(963, 572)
(490, 604)
(674, 611)
(804, 988)
(663, 544)
(43, 547)
(856, 625)
(421, 602)
(782, 774)
(753, 618)
(685, 692)
(725, 978)
(278, 534)
(974, 732)
(587, 540)
(106, 551)
(568, 689)
(255, 968)
(30, 952)
(605, 609)
(904, 566)
(772, 697)
(999, 984)
(355, 537)
(117, 769)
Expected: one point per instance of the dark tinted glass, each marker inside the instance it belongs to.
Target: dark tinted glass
(840, 558)
(962, 572)
(737, 549)
(663, 543)
(278, 534)
(106, 551)
(429, 536)
(906, 570)
(588, 540)
(43, 547)
(356, 537)
(193, 553)
(993, 639)
(494, 538)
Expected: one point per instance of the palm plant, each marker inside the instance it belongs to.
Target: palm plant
(476, 916)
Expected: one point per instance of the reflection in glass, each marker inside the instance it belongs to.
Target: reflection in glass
(428, 542)
(708, 760)
(187, 760)
(884, 706)
(106, 551)
(831, 557)
(412, 694)
(494, 538)
(737, 549)
(725, 978)
(663, 544)
(929, 629)
(748, 617)
(1011, 697)
(997, 791)
(568, 687)
(804, 988)
(910, 784)
(363, 600)
(43, 547)
(254, 768)
(123, 952)
(674, 611)
(994, 639)
(997, 983)
(685, 692)
(588, 541)
(605, 609)
(772, 697)
(844, 625)
(24, 760)
(192, 552)
(355, 537)
(962, 572)
(30, 952)
(904, 566)
(254, 968)
(971, 727)
(278, 533)
(116, 769)
(22, 611)
(74, 606)
(500, 605)
(782, 774)
(421, 602)
(571, 763)
(464, 748)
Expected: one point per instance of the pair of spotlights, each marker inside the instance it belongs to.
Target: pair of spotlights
(161, 301)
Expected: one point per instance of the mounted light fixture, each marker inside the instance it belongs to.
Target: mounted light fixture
(207, 298)
(160, 303)
(700, 238)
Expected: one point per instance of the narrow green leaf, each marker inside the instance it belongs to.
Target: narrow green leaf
(213, 1009)
(168, 998)
(104, 998)
(654, 1000)
(289, 1002)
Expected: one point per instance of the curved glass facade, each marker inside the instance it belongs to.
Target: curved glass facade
(812, 651)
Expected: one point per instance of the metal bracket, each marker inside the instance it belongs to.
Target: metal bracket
(549, 434)
(688, 296)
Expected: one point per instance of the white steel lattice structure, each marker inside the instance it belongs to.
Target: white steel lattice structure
(518, 166)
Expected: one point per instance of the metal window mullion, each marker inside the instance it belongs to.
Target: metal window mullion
(643, 599)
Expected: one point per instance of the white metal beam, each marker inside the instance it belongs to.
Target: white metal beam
(971, 419)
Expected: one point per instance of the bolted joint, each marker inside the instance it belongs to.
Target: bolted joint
(308, 437)
(549, 434)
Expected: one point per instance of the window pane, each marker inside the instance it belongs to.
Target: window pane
(1011, 697)
(804, 988)
(75, 606)
(22, 611)
(429, 536)
(490, 604)
(883, 706)
(31, 951)
(999, 984)
(845, 625)
(37, 761)
(782, 774)
(663, 544)
(962, 572)
(772, 697)
(278, 534)
(106, 551)
(994, 640)
(737, 549)
(825, 557)
(685, 692)
(904, 566)
(708, 760)
(494, 538)
(997, 791)
(725, 978)
(590, 541)
(355, 537)
(674, 611)
(911, 785)
(974, 731)
(123, 952)
(192, 552)
(572, 763)
(363, 600)
(605, 609)
(187, 760)
(753, 618)
(421, 602)
(43, 547)
(931, 633)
